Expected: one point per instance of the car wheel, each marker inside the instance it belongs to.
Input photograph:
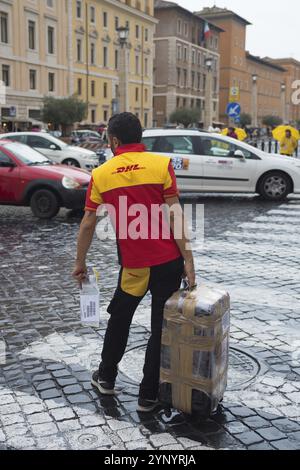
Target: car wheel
(44, 204)
(71, 162)
(275, 186)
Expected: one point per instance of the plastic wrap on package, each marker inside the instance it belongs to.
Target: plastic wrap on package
(195, 347)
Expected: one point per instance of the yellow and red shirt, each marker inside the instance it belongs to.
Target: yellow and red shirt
(146, 179)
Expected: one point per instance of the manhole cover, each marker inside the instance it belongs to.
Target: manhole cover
(87, 439)
(243, 367)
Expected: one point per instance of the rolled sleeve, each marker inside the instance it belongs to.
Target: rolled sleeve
(170, 186)
(93, 197)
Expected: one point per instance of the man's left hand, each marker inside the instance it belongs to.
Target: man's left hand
(80, 272)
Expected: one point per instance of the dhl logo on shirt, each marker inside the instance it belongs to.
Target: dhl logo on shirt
(127, 169)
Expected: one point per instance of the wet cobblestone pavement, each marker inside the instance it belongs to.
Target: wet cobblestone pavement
(46, 401)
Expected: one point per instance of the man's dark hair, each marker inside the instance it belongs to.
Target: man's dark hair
(126, 127)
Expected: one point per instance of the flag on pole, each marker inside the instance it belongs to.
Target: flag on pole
(206, 34)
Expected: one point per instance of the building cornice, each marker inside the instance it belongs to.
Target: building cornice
(188, 43)
(134, 11)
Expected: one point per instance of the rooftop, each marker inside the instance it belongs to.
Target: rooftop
(163, 5)
(219, 13)
(264, 61)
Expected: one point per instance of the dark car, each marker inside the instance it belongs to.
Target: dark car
(27, 178)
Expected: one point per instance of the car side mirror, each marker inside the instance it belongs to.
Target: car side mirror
(54, 147)
(240, 154)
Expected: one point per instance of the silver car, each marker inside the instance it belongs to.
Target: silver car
(55, 149)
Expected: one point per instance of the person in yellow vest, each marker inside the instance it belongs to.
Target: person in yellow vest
(288, 144)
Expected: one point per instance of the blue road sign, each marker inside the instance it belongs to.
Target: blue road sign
(233, 110)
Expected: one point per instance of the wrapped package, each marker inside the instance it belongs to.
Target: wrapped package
(195, 349)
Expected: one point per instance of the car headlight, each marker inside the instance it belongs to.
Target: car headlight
(93, 156)
(70, 183)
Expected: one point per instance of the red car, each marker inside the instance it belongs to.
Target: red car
(27, 178)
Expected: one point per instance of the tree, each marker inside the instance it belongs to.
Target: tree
(272, 121)
(245, 120)
(185, 116)
(64, 112)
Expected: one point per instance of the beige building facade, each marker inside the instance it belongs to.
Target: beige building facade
(179, 68)
(96, 56)
(33, 57)
(62, 47)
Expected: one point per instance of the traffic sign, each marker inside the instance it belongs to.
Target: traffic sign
(234, 94)
(233, 110)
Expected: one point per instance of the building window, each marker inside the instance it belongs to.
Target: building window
(104, 56)
(215, 84)
(79, 86)
(193, 80)
(177, 102)
(179, 52)
(116, 59)
(198, 81)
(146, 67)
(93, 88)
(185, 78)
(50, 40)
(184, 102)
(179, 26)
(32, 79)
(146, 34)
(78, 9)
(93, 115)
(105, 90)
(185, 54)
(93, 14)
(105, 19)
(178, 76)
(137, 31)
(137, 65)
(31, 35)
(186, 29)
(136, 94)
(51, 80)
(193, 56)
(116, 91)
(6, 75)
(116, 22)
(4, 27)
(79, 50)
(93, 53)
(105, 115)
(146, 95)
(146, 120)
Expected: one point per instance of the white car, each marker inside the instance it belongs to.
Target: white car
(55, 149)
(206, 162)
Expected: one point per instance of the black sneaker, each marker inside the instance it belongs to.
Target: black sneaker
(105, 388)
(146, 406)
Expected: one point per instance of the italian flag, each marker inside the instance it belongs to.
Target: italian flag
(207, 31)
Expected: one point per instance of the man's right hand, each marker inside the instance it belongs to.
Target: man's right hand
(189, 271)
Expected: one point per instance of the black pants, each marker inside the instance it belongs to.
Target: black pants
(164, 280)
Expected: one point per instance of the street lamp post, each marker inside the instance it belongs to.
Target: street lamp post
(283, 103)
(208, 117)
(123, 33)
(254, 101)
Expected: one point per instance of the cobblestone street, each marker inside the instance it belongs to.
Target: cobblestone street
(251, 247)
